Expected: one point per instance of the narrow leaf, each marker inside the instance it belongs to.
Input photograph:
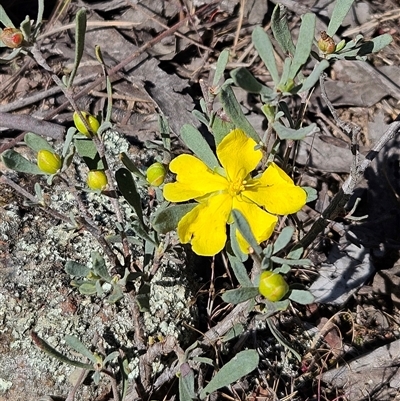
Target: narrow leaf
(293, 134)
(99, 266)
(339, 13)
(80, 31)
(17, 162)
(264, 48)
(290, 262)
(234, 332)
(302, 297)
(240, 271)
(78, 346)
(167, 219)
(76, 269)
(313, 78)
(281, 31)
(195, 141)
(282, 340)
(4, 18)
(87, 151)
(127, 186)
(240, 365)
(239, 295)
(234, 244)
(283, 239)
(220, 128)
(186, 383)
(304, 43)
(244, 78)
(295, 252)
(221, 65)
(245, 230)
(234, 111)
(36, 142)
(375, 45)
(128, 163)
(88, 288)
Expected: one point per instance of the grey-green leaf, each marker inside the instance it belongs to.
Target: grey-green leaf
(239, 295)
(240, 271)
(290, 262)
(295, 252)
(195, 141)
(281, 31)
(5, 19)
(245, 230)
(127, 186)
(128, 163)
(87, 151)
(36, 142)
(221, 65)
(240, 365)
(264, 48)
(302, 297)
(88, 288)
(80, 31)
(78, 346)
(186, 383)
(99, 266)
(304, 43)
(339, 13)
(17, 162)
(244, 78)
(312, 194)
(234, 111)
(283, 239)
(167, 219)
(293, 134)
(76, 269)
(312, 79)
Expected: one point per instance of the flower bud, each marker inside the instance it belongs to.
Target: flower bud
(48, 162)
(97, 180)
(326, 44)
(91, 121)
(272, 286)
(12, 37)
(156, 174)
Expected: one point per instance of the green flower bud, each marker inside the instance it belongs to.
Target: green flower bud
(156, 174)
(91, 121)
(48, 162)
(326, 44)
(12, 37)
(272, 286)
(97, 180)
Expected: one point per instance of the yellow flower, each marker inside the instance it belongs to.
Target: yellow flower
(222, 190)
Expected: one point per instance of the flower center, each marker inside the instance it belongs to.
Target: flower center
(237, 186)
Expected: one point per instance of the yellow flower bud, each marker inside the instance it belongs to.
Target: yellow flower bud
(12, 37)
(272, 286)
(92, 122)
(48, 162)
(156, 174)
(326, 44)
(96, 180)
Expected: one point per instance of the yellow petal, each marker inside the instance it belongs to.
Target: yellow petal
(205, 225)
(262, 223)
(194, 179)
(276, 191)
(237, 155)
